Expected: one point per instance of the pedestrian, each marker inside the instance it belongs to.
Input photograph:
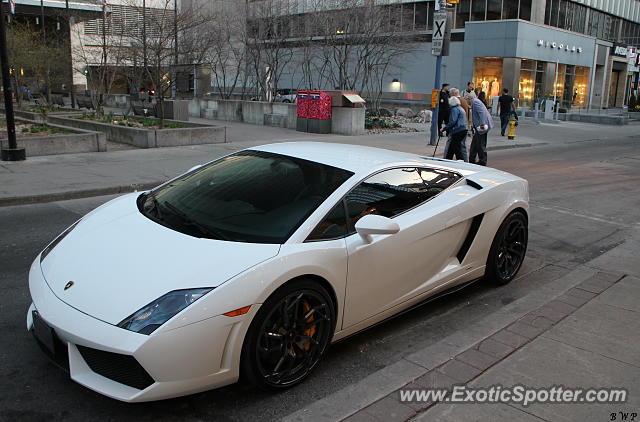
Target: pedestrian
(506, 106)
(443, 107)
(456, 130)
(482, 96)
(469, 93)
(482, 124)
(466, 106)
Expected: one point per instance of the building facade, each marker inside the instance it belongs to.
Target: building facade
(581, 52)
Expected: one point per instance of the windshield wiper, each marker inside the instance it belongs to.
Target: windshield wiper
(188, 221)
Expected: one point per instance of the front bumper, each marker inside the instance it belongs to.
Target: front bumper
(185, 360)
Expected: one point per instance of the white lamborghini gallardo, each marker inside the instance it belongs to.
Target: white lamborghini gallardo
(252, 264)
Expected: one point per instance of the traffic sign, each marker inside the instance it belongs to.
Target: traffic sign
(439, 28)
(434, 98)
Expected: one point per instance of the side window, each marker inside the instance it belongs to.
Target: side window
(332, 226)
(392, 192)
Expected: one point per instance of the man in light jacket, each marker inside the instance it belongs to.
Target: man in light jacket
(482, 124)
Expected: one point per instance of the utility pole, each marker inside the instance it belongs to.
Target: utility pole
(174, 88)
(13, 153)
(439, 47)
(71, 93)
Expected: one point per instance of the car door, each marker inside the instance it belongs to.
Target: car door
(390, 269)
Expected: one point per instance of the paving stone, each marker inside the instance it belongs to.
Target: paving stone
(594, 285)
(390, 409)
(550, 313)
(509, 338)
(572, 300)
(435, 355)
(459, 370)
(577, 292)
(434, 379)
(560, 306)
(525, 330)
(609, 276)
(494, 348)
(623, 295)
(360, 416)
(537, 321)
(477, 359)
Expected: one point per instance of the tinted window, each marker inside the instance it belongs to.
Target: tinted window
(392, 192)
(334, 225)
(250, 196)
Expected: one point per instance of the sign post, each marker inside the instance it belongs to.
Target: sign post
(439, 47)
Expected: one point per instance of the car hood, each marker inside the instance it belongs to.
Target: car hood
(119, 261)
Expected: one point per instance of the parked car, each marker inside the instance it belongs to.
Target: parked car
(286, 96)
(239, 266)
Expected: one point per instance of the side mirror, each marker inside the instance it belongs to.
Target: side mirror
(194, 168)
(375, 224)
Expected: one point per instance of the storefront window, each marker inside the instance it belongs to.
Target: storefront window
(525, 10)
(462, 13)
(580, 86)
(487, 75)
(510, 10)
(421, 16)
(494, 10)
(478, 8)
(526, 85)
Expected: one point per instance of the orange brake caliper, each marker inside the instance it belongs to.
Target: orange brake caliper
(311, 330)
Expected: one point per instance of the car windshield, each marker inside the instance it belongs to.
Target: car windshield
(249, 196)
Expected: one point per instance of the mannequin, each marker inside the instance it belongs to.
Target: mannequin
(495, 88)
(485, 86)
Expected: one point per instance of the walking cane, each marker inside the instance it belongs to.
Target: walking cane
(437, 142)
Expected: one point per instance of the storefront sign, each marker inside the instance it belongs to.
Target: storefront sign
(560, 46)
(620, 51)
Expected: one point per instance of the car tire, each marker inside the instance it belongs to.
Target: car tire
(288, 336)
(508, 249)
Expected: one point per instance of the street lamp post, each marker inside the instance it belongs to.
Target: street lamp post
(441, 5)
(13, 153)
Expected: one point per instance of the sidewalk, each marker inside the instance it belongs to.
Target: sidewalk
(49, 178)
(583, 331)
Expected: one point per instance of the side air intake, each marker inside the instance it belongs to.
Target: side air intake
(471, 235)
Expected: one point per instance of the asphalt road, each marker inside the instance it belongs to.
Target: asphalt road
(584, 200)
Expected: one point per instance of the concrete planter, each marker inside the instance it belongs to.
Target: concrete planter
(67, 143)
(193, 134)
(254, 112)
(38, 117)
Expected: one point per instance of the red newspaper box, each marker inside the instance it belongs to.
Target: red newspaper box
(314, 111)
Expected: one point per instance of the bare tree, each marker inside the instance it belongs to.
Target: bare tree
(226, 48)
(43, 61)
(269, 50)
(157, 45)
(101, 50)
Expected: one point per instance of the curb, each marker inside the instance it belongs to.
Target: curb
(380, 384)
(513, 146)
(84, 193)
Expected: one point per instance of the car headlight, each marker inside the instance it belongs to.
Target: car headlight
(57, 240)
(152, 316)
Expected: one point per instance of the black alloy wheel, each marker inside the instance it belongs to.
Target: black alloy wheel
(508, 249)
(288, 336)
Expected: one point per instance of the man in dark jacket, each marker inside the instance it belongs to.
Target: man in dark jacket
(443, 106)
(506, 106)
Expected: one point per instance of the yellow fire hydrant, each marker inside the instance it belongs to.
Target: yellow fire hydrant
(511, 131)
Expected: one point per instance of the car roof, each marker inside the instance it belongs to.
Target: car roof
(359, 158)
